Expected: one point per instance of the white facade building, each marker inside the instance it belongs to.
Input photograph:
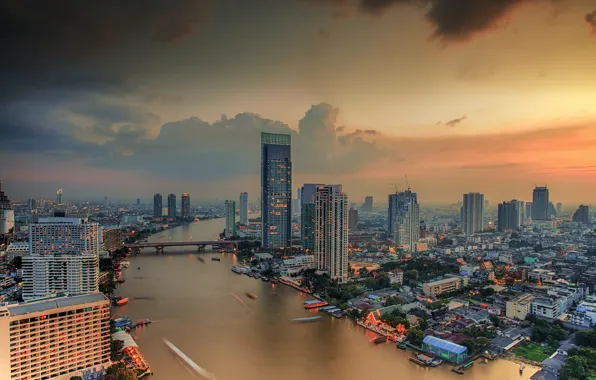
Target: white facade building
(15, 249)
(331, 231)
(6, 221)
(244, 209)
(64, 235)
(230, 212)
(56, 338)
(546, 307)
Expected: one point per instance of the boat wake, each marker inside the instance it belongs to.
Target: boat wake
(188, 362)
(239, 299)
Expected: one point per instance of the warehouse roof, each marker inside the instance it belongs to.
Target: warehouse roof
(444, 344)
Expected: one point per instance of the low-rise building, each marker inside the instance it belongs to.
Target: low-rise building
(546, 307)
(447, 285)
(519, 307)
(396, 276)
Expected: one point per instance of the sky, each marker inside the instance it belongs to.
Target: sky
(130, 98)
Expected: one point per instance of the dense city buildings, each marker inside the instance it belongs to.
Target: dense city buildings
(528, 213)
(185, 206)
(55, 338)
(472, 213)
(276, 190)
(172, 206)
(367, 206)
(157, 206)
(510, 216)
(582, 215)
(6, 215)
(63, 258)
(331, 231)
(111, 239)
(230, 213)
(540, 204)
(308, 216)
(244, 208)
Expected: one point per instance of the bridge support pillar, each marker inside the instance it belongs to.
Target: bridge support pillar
(200, 248)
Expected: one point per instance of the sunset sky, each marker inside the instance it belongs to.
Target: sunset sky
(130, 98)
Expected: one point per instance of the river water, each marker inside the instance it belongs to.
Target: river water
(192, 305)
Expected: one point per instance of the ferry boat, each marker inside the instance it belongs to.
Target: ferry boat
(215, 259)
(338, 314)
(307, 319)
(274, 281)
(122, 301)
(264, 279)
(251, 295)
(313, 304)
(122, 322)
(521, 368)
(379, 340)
(142, 322)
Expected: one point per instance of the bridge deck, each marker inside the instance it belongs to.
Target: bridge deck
(184, 243)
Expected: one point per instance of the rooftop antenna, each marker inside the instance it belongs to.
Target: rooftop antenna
(408, 183)
(395, 185)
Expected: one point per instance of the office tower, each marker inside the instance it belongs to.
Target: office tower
(308, 216)
(521, 205)
(486, 204)
(31, 203)
(353, 219)
(230, 212)
(276, 190)
(331, 231)
(106, 202)
(403, 220)
(59, 197)
(63, 257)
(422, 233)
(473, 213)
(509, 216)
(138, 201)
(540, 203)
(559, 208)
(244, 208)
(367, 206)
(6, 214)
(157, 206)
(185, 206)
(172, 206)
(528, 213)
(582, 215)
(111, 239)
(55, 338)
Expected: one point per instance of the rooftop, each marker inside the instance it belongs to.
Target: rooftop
(53, 303)
(444, 344)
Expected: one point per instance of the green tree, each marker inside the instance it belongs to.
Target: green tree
(415, 337)
(422, 324)
(394, 300)
(17, 262)
(119, 371)
(115, 349)
(363, 272)
(575, 367)
(105, 265)
(76, 378)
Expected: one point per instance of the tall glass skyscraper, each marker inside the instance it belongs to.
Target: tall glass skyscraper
(244, 208)
(472, 213)
(308, 216)
(276, 190)
(540, 203)
(185, 206)
(157, 206)
(403, 221)
(172, 206)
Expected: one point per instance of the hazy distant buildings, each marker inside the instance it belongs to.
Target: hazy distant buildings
(528, 213)
(472, 213)
(157, 206)
(353, 219)
(308, 216)
(55, 338)
(230, 212)
(540, 204)
(31, 204)
(63, 257)
(244, 208)
(172, 206)
(582, 215)
(6, 215)
(185, 206)
(403, 221)
(367, 206)
(510, 216)
(559, 208)
(331, 231)
(276, 190)
(138, 201)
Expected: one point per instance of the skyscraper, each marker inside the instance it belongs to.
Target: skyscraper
(331, 231)
(6, 214)
(172, 206)
(582, 215)
(509, 216)
(559, 208)
(276, 190)
(230, 212)
(185, 206)
(473, 213)
(403, 219)
(32, 204)
(157, 206)
(367, 206)
(540, 203)
(353, 219)
(244, 208)
(528, 213)
(59, 197)
(138, 201)
(307, 216)
(63, 257)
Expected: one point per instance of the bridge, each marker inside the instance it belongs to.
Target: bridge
(200, 244)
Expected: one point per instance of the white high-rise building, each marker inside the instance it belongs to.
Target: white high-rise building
(63, 258)
(244, 208)
(408, 228)
(331, 231)
(55, 338)
(230, 212)
(473, 213)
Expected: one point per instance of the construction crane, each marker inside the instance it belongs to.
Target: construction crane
(407, 183)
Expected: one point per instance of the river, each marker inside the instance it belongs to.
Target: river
(193, 306)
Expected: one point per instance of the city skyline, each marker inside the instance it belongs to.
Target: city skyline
(489, 106)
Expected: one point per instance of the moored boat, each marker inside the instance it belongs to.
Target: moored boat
(379, 340)
(313, 304)
(402, 346)
(338, 314)
(122, 301)
(215, 259)
(264, 279)
(251, 295)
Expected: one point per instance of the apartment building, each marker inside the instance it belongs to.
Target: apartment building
(546, 307)
(519, 307)
(54, 338)
(446, 285)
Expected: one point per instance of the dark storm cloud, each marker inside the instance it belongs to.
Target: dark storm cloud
(454, 122)
(591, 20)
(453, 20)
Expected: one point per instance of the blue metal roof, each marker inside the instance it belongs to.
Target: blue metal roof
(444, 344)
